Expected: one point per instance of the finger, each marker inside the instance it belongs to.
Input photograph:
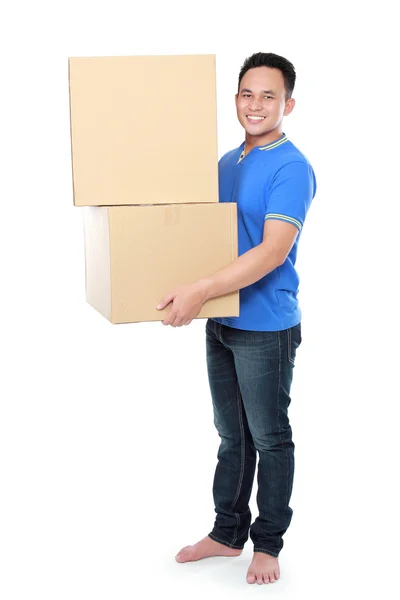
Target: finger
(178, 322)
(165, 301)
(188, 322)
(170, 319)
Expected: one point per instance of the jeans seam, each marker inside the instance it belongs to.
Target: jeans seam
(289, 337)
(235, 531)
(279, 428)
(242, 462)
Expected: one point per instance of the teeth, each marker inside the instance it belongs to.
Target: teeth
(255, 118)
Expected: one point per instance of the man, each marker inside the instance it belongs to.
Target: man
(250, 358)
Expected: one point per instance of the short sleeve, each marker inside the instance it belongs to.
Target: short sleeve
(290, 194)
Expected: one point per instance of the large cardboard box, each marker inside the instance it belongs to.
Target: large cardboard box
(143, 130)
(135, 255)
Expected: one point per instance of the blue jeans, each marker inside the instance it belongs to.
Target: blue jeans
(250, 374)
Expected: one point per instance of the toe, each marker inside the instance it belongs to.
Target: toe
(260, 579)
(276, 575)
(266, 578)
(251, 578)
(182, 554)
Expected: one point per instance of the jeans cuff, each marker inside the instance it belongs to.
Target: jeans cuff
(265, 551)
(224, 543)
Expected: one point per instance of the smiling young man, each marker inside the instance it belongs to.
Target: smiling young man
(250, 358)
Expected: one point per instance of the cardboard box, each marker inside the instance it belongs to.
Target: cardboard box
(135, 255)
(143, 130)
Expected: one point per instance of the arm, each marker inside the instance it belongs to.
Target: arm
(286, 205)
(187, 301)
(278, 240)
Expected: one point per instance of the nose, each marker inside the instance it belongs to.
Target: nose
(255, 104)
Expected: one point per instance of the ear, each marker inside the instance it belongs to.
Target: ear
(290, 104)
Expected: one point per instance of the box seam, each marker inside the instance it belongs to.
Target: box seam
(70, 130)
(235, 248)
(110, 266)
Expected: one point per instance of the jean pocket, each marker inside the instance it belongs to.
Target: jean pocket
(293, 342)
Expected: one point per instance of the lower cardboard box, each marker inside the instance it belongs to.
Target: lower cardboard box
(135, 255)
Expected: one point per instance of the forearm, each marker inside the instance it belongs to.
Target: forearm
(243, 271)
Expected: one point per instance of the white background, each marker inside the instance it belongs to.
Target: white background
(107, 445)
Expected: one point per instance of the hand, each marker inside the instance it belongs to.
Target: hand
(186, 303)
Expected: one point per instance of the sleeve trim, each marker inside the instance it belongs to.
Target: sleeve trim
(291, 220)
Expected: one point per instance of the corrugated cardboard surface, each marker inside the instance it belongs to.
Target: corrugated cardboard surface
(143, 130)
(152, 249)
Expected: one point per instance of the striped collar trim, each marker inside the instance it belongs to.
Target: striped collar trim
(275, 144)
(270, 146)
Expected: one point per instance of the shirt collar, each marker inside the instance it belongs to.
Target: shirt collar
(270, 146)
(274, 144)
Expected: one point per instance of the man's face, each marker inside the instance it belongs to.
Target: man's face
(261, 102)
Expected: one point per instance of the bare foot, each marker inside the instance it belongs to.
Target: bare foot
(203, 549)
(263, 569)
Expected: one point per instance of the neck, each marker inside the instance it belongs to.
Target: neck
(251, 141)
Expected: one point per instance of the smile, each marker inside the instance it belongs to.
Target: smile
(254, 119)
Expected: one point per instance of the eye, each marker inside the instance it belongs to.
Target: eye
(246, 95)
(269, 97)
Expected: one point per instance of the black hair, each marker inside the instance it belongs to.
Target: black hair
(273, 61)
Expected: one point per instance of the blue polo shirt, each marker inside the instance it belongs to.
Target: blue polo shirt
(275, 181)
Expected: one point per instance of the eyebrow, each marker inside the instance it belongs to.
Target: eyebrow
(263, 91)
